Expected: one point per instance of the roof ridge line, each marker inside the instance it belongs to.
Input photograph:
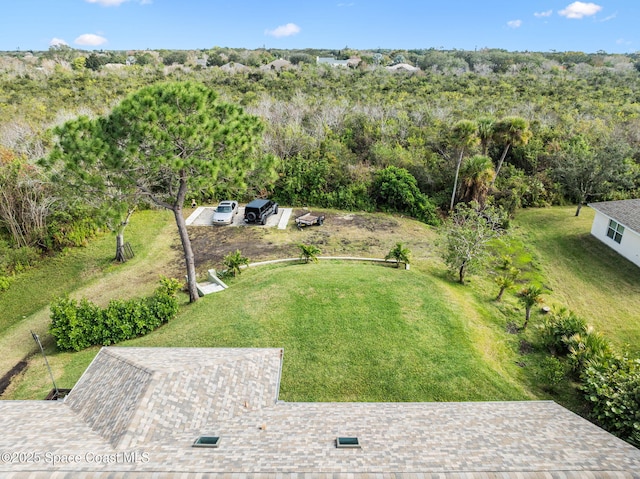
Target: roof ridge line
(115, 355)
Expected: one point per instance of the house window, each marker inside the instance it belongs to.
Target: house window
(615, 231)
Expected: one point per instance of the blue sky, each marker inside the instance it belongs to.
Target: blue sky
(516, 25)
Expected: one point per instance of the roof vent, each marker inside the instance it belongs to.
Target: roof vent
(206, 441)
(347, 442)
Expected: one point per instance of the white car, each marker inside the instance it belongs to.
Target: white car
(225, 212)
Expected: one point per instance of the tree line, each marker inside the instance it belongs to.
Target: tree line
(540, 129)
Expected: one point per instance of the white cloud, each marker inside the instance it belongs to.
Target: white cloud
(580, 9)
(283, 30)
(548, 13)
(622, 41)
(610, 17)
(514, 23)
(108, 3)
(89, 39)
(56, 42)
(116, 3)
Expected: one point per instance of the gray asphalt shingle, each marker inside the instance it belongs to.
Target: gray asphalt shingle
(626, 212)
(136, 412)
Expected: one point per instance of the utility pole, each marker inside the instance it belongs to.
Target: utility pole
(37, 340)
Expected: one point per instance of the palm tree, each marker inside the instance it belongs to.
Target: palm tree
(400, 254)
(477, 176)
(309, 253)
(233, 261)
(506, 281)
(529, 297)
(463, 136)
(485, 132)
(511, 131)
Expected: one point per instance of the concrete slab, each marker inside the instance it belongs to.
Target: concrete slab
(284, 218)
(194, 216)
(203, 216)
(208, 288)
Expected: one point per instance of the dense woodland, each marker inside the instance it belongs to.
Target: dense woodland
(516, 129)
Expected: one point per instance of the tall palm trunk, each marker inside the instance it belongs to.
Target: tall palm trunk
(455, 182)
(500, 161)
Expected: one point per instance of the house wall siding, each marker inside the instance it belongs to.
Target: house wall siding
(629, 246)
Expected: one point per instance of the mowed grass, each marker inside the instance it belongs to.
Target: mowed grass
(350, 332)
(356, 331)
(82, 272)
(583, 273)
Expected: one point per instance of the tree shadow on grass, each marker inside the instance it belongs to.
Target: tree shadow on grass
(593, 261)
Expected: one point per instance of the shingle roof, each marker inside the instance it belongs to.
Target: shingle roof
(193, 387)
(626, 212)
(276, 65)
(403, 66)
(234, 67)
(232, 393)
(98, 398)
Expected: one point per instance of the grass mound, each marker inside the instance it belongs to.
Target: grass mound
(350, 331)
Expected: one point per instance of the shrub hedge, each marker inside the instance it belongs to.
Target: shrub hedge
(76, 325)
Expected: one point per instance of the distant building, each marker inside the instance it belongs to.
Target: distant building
(402, 67)
(617, 224)
(350, 63)
(332, 62)
(233, 67)
(277, 65)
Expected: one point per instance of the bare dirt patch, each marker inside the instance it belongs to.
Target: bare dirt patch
(342, 234)
(5, 380)
(212, 244)
(525, 347)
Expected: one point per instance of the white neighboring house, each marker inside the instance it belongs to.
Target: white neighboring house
(332, 61)
(617, 224)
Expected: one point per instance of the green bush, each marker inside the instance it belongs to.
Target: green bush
(317, 178)
(234, 261)
(613, 389)
(73, 233)
(73, 324)
(588, 349)
(395, 189)
(556, 329)
(16, 260)
(5, 282)
(78, 325)
(551, 372)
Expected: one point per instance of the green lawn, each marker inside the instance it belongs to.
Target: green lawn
(584, 274)
(351, 331)
(356, 331)
(82, 272)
